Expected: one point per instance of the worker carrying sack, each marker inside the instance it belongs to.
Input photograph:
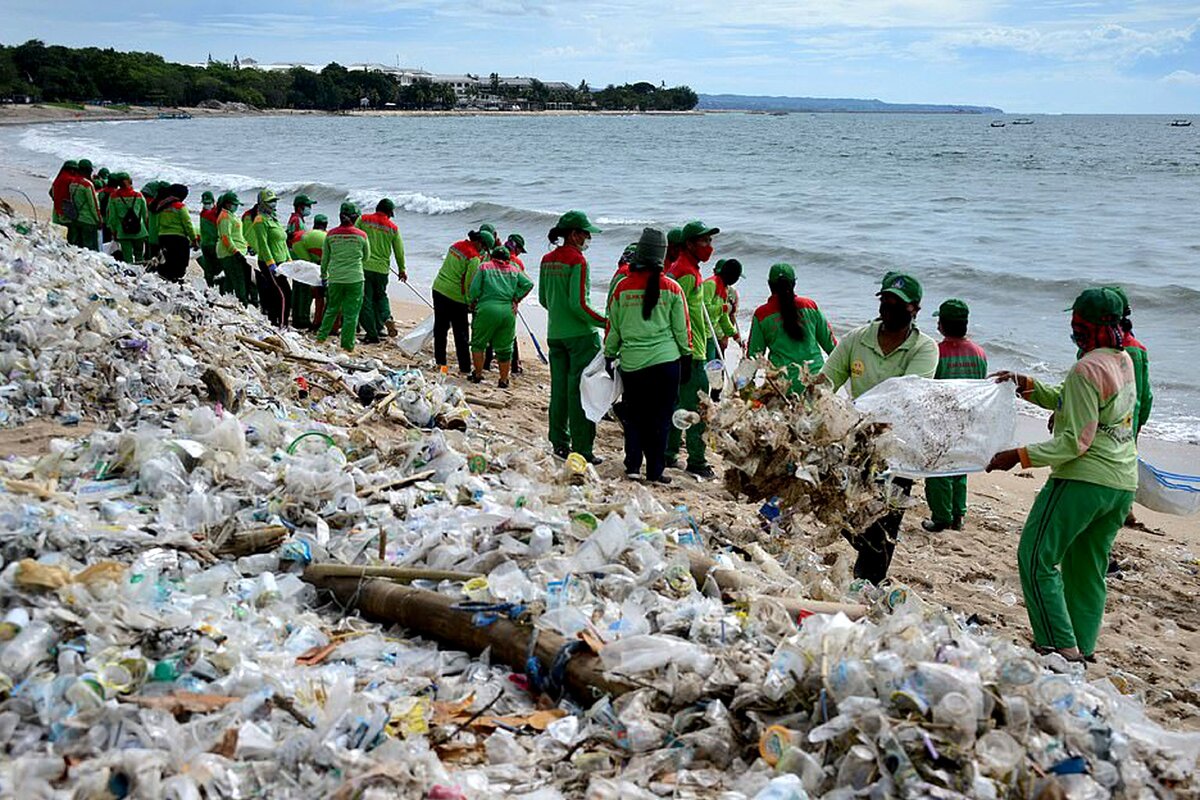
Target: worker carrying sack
(597, 391)
(942, 427)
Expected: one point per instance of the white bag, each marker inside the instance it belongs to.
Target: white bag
(305, 272)
(416, 340)
(598, 391)
(1167, 492)
(943, 427)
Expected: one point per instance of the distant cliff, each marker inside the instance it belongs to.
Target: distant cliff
(739, 102)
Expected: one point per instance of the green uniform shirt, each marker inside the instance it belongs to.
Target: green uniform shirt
(462, 259)
(719, 305)
(767, 333)
(175, 220)
(564, 287)
(499, 283)
(859, 359)
(1093, 438)
(641, 342)
(87, 208)
(270, 240)
(686, 272)
(310, 246)
(1141, 373)
(346, 250)
(385, 240)
(230, 238)
(119, 205)
(208, 228)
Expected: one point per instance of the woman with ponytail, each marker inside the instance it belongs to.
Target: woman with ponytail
(648, 331)
(792, 330)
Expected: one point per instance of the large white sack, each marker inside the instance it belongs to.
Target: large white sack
(301, 271)
(418, 338)
(598, 391)
(1167, 492)
(943, 427)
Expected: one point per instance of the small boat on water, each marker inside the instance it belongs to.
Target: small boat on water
(176, 115)
(1022, 121)
(996, 123)
(1181, 123)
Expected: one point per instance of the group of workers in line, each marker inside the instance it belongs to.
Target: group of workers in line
(155, 226)
(663, 322)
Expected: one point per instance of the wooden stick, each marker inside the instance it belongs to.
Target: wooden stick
(409, 480)
(398, 574)
(431, 614)
(377, 407)
(486, 403)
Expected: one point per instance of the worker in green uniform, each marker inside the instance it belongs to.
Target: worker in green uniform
(719, 303)
(790, 329)
(151, 191)
(498, 287)
(1065, 544)
(83, 230)
(231, 248)
(958, 358)
(386, 244)
(128, 218)
(889, 347)
(450, 311)
(648, 332)
(269, 241)
(60, 192)
(177, 235)
(697, 248)
(309, 247)
(208, 239)
(345, 252)
(571, 332)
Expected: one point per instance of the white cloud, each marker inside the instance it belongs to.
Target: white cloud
(1182, 77)
(1107, 42)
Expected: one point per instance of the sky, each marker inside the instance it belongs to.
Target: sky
(1054, 56)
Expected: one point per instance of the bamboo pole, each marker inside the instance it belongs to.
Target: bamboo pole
(398, 574)
(432, 615)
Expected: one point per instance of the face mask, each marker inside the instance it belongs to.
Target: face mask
(703, 252)
(895, 316)
(207, 205)
(304, 212)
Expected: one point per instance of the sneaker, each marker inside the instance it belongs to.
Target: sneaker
(502, 384)
(702, 471)
(391, 328)
(562, 452)
(633, 476)
(957, 524)
(933, 527)
(671, 462)
(661, 480)
(594, 460)
(473, 378)
(371, 340)
(518, 371)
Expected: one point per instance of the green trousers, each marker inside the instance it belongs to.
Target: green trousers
(302, 297)
(132, 250)
(494, 325)
(237, 277)
(375, 307)
(211, 264)
(1063, 559)
(82, 234)
(345, 299)
(689, 400)
(947, 498)
(570, 429)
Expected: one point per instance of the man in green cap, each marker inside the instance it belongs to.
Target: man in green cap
(269, 241)
(1092, 455)
(128, 218)
(309, 247)
(564, 286)
(232, 248)
(208, 239)
(345, 252)
(83, 210)
(450, 310)
(889, 347)
(386, 244)
(697, 248)
(958, 359)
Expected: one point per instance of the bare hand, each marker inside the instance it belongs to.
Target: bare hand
(1004, 375)
(1004, 461)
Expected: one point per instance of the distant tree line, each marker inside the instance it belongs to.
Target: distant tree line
(67, 74)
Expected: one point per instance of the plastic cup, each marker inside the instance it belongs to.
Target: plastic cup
(774, 741)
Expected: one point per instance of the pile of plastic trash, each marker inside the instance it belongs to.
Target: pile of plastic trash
(161, 636)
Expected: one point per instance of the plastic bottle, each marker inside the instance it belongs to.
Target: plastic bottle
(27, 648)
(956, 711)
(783, 787)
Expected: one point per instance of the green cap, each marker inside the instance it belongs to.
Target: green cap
(385, 206)
(1098, 305)
(303, 200)
(576, 221)
(1124, 299)
(781, 271)
(103, 172)
(501, 254)
(70, 165)
(490, 228)
(518, 240)
(696, 229)
(207, 197)
(230, 198)
(486, 239)
(675, 236)
(906, 287)
(320, 219)
(267, 196)
(953, 310)
(348, 209)
(84, 164)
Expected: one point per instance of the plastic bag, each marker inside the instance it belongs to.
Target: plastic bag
(942, 427)
(305, 272)
(415, 340)
(649, 652)
(597, 390)
(1167, 492)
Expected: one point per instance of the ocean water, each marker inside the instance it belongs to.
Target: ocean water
(1013, 220)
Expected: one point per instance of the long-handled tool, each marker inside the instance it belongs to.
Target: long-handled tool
(536, 345)
(413, 289)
